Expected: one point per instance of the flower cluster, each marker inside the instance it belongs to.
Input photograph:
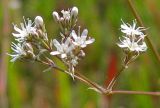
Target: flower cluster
(25, 32)
(33, 43)
(68, 19)
(132, 42)
(70, 49)
(21, 51)
(25, 38)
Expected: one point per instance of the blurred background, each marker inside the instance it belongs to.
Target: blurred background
(24, 85)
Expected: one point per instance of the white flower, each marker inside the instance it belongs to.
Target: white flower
(72, 64)
(133, 41)
(66, 14)
(74, 61)
(24, 32)
(132, 45)
(132, 30)
(63, 49)
(18, 53)
(80, 40)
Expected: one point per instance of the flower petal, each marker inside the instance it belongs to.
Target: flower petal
(121, 45)
(17, 29)
(54, 53)
(89, 41)
(63, 55)
(57, 45)
(67, 41)
(74, 35)
(84, 34)
(16, 35)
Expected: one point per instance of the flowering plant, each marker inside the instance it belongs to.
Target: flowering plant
(32, 44)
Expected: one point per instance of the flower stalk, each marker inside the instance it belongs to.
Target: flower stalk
(132, 45)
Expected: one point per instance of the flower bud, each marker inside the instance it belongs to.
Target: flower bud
(55, 16)
(29, 50)
(74, 12)
(82, 53)
(61, 19)
(28, 47)
(38, 21)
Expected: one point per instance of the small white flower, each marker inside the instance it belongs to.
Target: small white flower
(63, 49)
(133, 40)
(74, 61)
(18, 53)
(66, 14)
(24, 32)
(132, 45)
(81, 40)
(132, 30)
(72, 64)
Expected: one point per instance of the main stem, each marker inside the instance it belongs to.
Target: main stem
(139, 20)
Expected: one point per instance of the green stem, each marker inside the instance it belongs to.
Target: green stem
(139, 20)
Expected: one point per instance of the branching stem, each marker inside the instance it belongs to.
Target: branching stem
(99, 88)
(83, 79)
